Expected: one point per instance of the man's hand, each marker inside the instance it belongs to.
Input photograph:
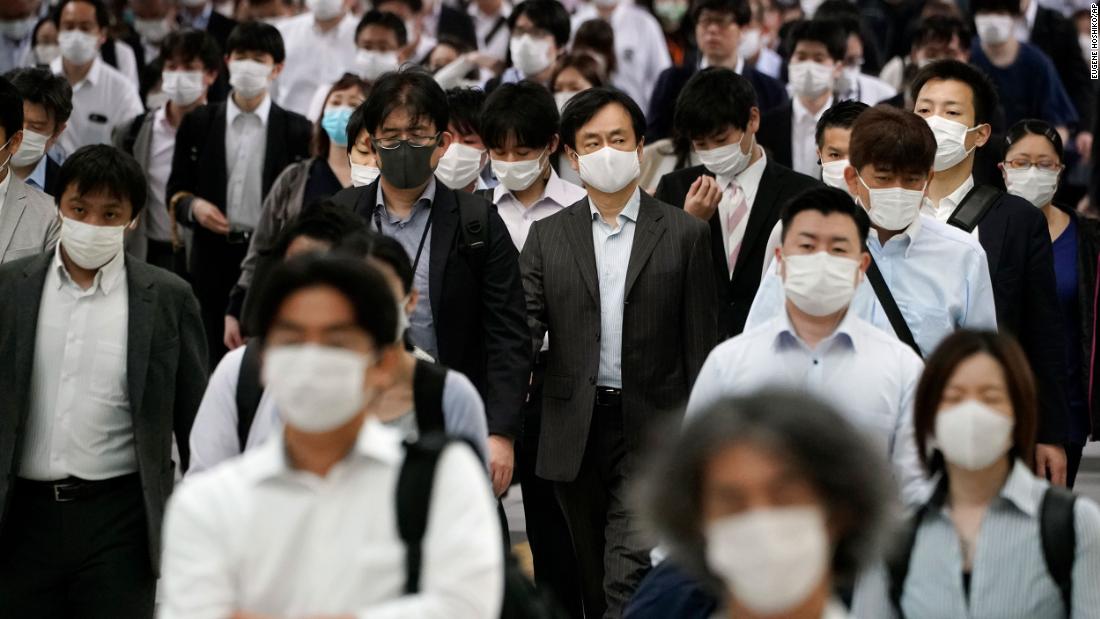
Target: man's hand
(502, 460)
(703, 197)
(1050, 462)
(209, 216)
(1084, 145)
(232, 338)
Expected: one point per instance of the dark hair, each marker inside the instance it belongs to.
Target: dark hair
(843, 12)
(321, 140)
(102, 16)
(256, 36)
(598, 36)
(1011, 7)
(40, 86)
(548, 15)
(982, 90)
(187, 45)
(1034, 126)
(356, 125)
(890, 138)
(826, 200)
(941, 365)
(103, 168)
(412, 89)
(587, 104)
(941, 28)
(826, 32)
(387, 20)
(583, 63)
(11, 109)
(323, 220)
(713, 99)
(414, 5)
(366, 245)
(810, 437)
(524, 110)
(363, 287)
(465, 105)
(740, 9)
(841, 115)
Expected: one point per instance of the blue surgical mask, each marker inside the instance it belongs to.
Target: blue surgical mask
(335, 123)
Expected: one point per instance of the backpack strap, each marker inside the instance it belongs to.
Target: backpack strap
(429, 380)
(973, 207)
(897, 560)
(132, 131)
(497, 25)
(249, 390)
(890, 306)
(473, 215)
(414, 497)
(1057, 529)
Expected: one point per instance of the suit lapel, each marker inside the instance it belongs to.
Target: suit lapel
(139, 335)
(14, 204)
(218, 158)
(766, 195)
(579, 232)
(276, 123)
(991, 234)
(648, 231)
(444, 222)
(28, 300)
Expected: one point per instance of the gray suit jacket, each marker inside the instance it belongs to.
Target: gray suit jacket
(28, 221)
(670, 324)
(165, 365)
(137, 141)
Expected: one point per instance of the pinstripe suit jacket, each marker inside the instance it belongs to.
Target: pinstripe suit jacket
(670, 324)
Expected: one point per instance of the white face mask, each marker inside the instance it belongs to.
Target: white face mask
(810, 79)
(770, 559)
(1034, 185)
(727, 161)
(848, 80)
(750, 43)
(994, 29)
(809, 7)
(46, 54)
(316, 388)
(90, 247)
(248, 77)
(373, 65)
(459, 166)
(183, 87)
(17, 29)
(832, 173)
(518, 175)
(973, 436)
(363, 175)
(563, 97)
(609, 169)
(531, 56)
(894, 208)
(31, 150)
(78, 47)
(326, 9)
(950, 142)
(152, 30)
(820, 284)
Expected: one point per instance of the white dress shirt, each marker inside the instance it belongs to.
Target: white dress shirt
(158, 225)
(80, 422)
(497, 45)
(804, 138)
(518, 218)
(101, 101)
(4, 184)
(613, 247)
(127, 62)
(942, 212)
(245, 150)
(749, 180)
(772, 354)
(1026, 22)
(258, 535)
(313, 59)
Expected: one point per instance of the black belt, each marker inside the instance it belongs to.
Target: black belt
(608, 397)
(74, 488)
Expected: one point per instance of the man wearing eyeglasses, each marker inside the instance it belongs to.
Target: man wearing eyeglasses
(470, 315)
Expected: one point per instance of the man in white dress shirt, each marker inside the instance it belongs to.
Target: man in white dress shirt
(320, 48)
(307, 524)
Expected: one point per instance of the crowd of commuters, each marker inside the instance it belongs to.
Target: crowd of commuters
(766, 309)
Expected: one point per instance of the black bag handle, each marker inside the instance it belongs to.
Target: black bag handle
(973, 207)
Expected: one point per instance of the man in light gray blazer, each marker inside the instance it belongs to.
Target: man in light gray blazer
(625, 286)
(28, 218)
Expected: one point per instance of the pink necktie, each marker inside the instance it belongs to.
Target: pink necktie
(739, 209)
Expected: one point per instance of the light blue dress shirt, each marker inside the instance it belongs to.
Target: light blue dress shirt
(938, 276)
(612, 247)
(37, 178)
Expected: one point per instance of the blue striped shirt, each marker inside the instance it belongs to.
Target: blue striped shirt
(612, 247)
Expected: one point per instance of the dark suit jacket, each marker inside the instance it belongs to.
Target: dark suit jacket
(775, 133)
(53, 170)
(669, 324)
(457, 24)
(165, 366)
(477, 305)
(1056, 36)
(1088, 262)
(736, 291)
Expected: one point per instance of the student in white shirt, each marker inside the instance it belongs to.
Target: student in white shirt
(461, 165)
(307, 525)
(540, 33)
(320, 48)
(491, 25)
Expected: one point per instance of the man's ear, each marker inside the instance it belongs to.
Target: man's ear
(276, 70)
(571, 155)
(982, 134)
(864, 261)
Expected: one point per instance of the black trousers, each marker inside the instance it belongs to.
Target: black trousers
(551, 548)
(612, 554)
(215, 267)
(163, 255)
(1073, 462)
(86, 558)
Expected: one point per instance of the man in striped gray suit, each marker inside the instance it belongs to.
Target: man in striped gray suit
(625, 286)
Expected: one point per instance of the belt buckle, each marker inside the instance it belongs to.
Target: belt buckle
(58, 489)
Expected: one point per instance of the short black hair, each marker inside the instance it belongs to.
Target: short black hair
(465, 105)
(713, 99)
(826, 200)
(356, 125)
(414, 5)
(102, 16)
(941, 28)
(597, 35)
(189, 44)
(40, 86)
(1035, 126)
(256, 36)
(524, 110)
(740, 9)
(103, 168)
(11, 109)
(386, 20)
(323, 220)
(827, 32)
(363, 287)
(548, 15)
(587, 104)
(843, 12)
(984, 93)
(366, 244)
(841, 115)
(1012, 7)
(412, 89)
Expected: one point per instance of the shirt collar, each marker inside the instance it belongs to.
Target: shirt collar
(475, 12)
(37, 177)
(704, 63)
(909, 235)
(630, 211)
(232, 111)
(92, 78)
(555, 191)
(5, 185)
(750, 176)
(1023, 489)
(801, 113)
(374, 442)
(106, 278)
(842, 334)
(948, 203)
(425, 198)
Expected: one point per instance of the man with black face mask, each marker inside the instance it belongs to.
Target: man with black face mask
(470, 315)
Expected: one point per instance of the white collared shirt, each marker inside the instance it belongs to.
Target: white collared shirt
(857, 353)
(80, 422)
(1026, 22)
(497, 45)
(518, 218)
(749, 180)
(245, 151)
(257, 534)
(313, 59)
(804, 138)
(4, 184)
(942, 212)
(158, 225)
(101, 101)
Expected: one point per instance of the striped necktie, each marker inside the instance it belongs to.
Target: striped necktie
(735, 221)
